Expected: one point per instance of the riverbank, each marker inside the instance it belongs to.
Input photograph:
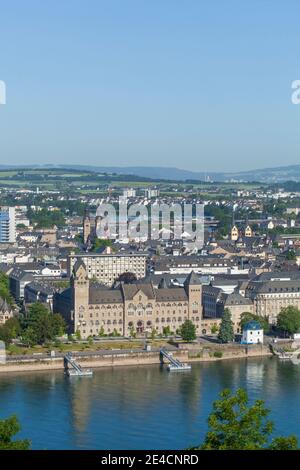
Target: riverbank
(130, 358)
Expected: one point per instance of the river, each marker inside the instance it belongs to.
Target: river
(143, 407)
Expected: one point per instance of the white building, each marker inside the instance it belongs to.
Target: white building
(129, 192)
(7, 224)
(106, 268)
(252, 333)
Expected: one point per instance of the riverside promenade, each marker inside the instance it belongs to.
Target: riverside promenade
(131, 357)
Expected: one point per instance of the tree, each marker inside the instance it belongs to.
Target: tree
(29, 337)
(58, 324)
(4, 289)
(44, 326)
(127, 278)
(10, 330)
(132, 332)
(101, 243)
(235, 425)
(214, 329)
(248, 316)
(226, 333)
(288, 320)
(153, 333)
(101, 332)
(188, 331)
(167, 331)
(291, 255)
(8, 429)
(284, 443)
(78, 335)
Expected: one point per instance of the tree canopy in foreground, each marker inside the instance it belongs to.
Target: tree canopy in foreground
(8, 429)
(236, 425)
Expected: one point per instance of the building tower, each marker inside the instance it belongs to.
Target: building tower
(193, 288)
(248, 230)
(80, 298)
(86, 227)
(234, 231)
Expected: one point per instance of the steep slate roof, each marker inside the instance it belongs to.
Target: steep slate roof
(192, 280)
(41, 288)
(19, 275)
(4, 307)
(79, 262)
(130, 290)
(105, 296)
(274, 286)
(162, 284)
(236, 299)
(173, 294)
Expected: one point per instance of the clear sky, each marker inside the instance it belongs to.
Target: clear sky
(201, 85)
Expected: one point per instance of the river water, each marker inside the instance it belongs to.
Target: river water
(143, 407)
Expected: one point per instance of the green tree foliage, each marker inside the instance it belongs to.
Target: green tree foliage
(248, 316)
(10, 330)
(132, 332)
(46, 219)
(102, 332)
(288, 320)
(284, 443)
(8, 429)
(127, 278)
(100, 243)
(39, 325)
(29, 337)
(214, 329)
(226, 334)
(188, 331)
(167, 331)
(290, 255)
(235, 425)
(4, 289)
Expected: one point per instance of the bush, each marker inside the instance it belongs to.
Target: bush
(218, 354)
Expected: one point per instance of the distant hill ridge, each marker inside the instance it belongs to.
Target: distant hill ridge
(267, 175)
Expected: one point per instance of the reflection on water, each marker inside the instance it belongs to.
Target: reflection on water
(143, 407)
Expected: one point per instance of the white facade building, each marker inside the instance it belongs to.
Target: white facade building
(252, 333)
(7, 224)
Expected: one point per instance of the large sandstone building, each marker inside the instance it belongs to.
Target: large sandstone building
(270, 292)
(91, 308)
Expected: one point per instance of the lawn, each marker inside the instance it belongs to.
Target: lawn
(77, 347)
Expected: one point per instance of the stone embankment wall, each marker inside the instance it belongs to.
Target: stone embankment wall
(219, 352)
(213, 353)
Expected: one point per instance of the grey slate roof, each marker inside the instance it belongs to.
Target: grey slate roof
(105, 296)
(192, 280)
(176, 294)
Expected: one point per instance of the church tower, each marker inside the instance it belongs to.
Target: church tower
(86, 227)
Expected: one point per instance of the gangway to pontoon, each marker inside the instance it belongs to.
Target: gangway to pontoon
(76, 368)
(174, 364)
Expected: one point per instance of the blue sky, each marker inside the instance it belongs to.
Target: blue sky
(201, 85)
